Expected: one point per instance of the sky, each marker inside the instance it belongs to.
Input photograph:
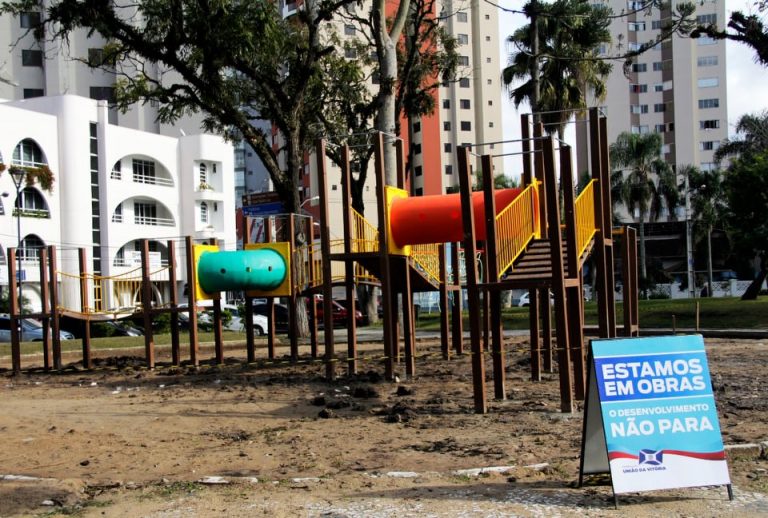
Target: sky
(747, 82)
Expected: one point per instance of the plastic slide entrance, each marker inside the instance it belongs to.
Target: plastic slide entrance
(262, 270)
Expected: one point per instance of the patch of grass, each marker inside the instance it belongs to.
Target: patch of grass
(714, 313)
(75, 509)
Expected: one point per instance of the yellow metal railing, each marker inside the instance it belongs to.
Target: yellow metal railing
(516, 226)
(365, 237)
(427, 259)
(586, 227)
(124, 290)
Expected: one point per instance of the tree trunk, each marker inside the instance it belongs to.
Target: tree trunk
(385, 118)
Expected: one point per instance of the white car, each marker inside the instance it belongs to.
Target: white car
(525, 300)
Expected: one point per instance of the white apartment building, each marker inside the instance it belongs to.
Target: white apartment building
(113, 187)
(677, 89)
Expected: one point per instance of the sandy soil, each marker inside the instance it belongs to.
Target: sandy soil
(124, 441)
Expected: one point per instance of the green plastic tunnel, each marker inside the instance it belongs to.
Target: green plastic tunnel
(262, 269)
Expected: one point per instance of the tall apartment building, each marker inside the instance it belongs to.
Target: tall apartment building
(677, 89)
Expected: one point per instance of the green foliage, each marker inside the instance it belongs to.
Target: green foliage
(5, 306)
(747, 29)
(746, 187)
(751, 137)
(570, 35)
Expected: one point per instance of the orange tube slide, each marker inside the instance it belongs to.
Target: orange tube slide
(421, 220)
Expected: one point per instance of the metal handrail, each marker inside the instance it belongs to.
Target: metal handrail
(586, 225)
(427, 259)
(365, 237)
(516, 226)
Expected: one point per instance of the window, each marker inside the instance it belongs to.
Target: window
(349, 30)
(487, 16)
(33, 92)
(633, 46)
(419, 191)
(466, 126)
(707, 61)
(709, 103)
(638, 89)
(350, 53)
(143, 171)
(708, 82)
(203, 212)
(446, 103)
(706, 19)
(417, 171)
(144, 213)
(635, 5)
(635, 26)
(462, 39)
(667, 85)
(659, 128)
(30, 248)
(490, 125)
(656, 25)
(464, 82)
(658, 87)
(705, 40)
(103, 93)
(640, 67)
(464, 61)
(487, 60)
(449, 169)
(666, 149)
(447, 126)
(490, 81)
(487, 38)
(417, 149)
(375, 78)
(638, 108)
(32, 58)
(709, 124)
(659, 108)
(464, 104)
(203, 175)
(461, 16)
(640, 129)
(28, 153)
(707, 166)
(447, 147)
(29, 19)
(709, 145)
(96, 58)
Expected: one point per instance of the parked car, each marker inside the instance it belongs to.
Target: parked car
(31, 330)
(116, 328)
(340, 313)
(360, 317)
(281, 316)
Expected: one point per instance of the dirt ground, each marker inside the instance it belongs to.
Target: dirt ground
(278, 440)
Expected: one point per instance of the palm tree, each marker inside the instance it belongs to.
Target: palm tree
(752, 136)
(708, 204)
(570, 33)
(644, 181)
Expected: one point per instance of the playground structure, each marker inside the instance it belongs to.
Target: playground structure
(527, 244)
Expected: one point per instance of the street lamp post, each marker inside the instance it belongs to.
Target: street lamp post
(18, 174)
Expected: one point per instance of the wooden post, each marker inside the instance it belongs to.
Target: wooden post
(558, 280)
(574, 294)
(533, 319)
(607, 213)
(293, 301)
(525, 134)
(218, 336)
(408, 321)
(603, 287)
(250, 345)
(444, 345)
(325, 244)
(492, 277)
(387, 295)
(46, 314)
(312, 306)
(349, 266)
(629, 274)
(194, 345)
(83, 265)
(545, 314)
(468, 221)
(172, 276)
(14, 305)
(146, 303)
(54, 291)
(456, 308)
